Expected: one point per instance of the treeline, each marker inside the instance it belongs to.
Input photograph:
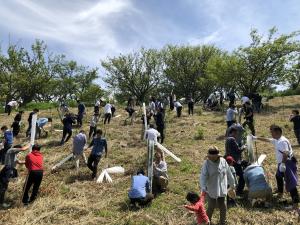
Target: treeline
(198, 71)
(39, 75)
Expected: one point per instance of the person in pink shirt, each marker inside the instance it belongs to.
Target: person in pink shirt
(197, 206)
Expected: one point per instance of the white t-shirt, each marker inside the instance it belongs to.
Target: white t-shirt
(13, 103)
(245, 99)
(177, 104)
(97, 103)
(152, 134)
(152, 106)
(107, 108)
(281, 145)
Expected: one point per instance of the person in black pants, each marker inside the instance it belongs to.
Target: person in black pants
(16, 124)
(34, 164)
(29, 121)
(191, 106)
(99, 144)
(68, 121)
(249, 118)
(160, 124)
(232, 149)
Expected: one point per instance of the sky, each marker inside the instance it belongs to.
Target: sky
(89, 31)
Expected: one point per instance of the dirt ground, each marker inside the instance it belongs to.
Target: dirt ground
(70, 198)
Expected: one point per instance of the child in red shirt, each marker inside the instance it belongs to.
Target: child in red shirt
(197, 206)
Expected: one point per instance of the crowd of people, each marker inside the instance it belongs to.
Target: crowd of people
(222, 178)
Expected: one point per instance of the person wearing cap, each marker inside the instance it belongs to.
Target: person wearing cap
(232, 149)
(258, 187)
(9, 170)
(34, 165)
(214, 179)
(140, 189)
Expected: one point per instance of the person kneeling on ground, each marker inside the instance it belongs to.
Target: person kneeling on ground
(41, 123)
(160, 176)
(140, 190)
(214, 179)
(256, 182)
(99, 143)
(34, 164)
(197, 206)
(9, 170)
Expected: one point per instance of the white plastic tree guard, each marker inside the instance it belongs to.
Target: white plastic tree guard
(105, 173)
(62, 162)
(33, 130)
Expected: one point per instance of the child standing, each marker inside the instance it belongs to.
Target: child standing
(295, 118)
(197, 205)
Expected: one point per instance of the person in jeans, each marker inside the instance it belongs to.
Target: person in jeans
(295, 118)
(257, 184)
(99, 144)
(9, 170)
(139, 192)
(214, 179)
(232, 149)
(191, 105)
(34, 164)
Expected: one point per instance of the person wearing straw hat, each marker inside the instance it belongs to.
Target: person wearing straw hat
(214, 178)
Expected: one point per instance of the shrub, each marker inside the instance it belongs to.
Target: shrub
(41, 105)
(199, 134)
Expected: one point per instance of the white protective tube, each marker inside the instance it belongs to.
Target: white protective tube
(62, 161)
(168, 152)
(33, 130)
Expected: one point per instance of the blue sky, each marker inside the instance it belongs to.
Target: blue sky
(91, 30)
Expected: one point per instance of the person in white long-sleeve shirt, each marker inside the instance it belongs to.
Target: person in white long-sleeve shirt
(214, 179)
(152, 134)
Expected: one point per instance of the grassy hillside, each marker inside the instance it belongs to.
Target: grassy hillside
(70, 198)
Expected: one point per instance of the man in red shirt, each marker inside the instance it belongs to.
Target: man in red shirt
(34, 164)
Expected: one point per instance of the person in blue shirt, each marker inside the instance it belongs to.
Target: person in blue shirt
(41, 122)
(257, 184)
(7, 142)
(140, 189)
(81, 111)
(67, 129)
(99, 144)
